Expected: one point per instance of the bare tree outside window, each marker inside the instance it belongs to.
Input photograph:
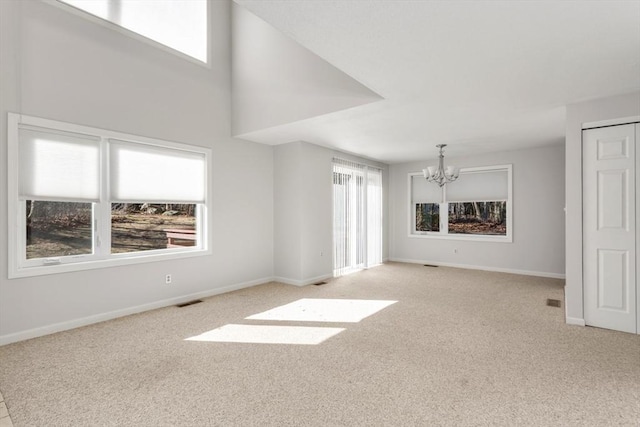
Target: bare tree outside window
(427, 217)
(488, 218)
(56, 229)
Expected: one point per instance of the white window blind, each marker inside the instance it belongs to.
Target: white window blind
(423, 191)
(145, 173)
(374, 216)
(478, 186)
(58, 166)
(357, 216)
(348, 220)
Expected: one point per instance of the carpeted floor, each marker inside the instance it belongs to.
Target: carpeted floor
(460, 347)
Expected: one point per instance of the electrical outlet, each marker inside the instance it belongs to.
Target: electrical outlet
(167, 279)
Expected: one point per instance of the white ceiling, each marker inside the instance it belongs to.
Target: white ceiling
(480, 76)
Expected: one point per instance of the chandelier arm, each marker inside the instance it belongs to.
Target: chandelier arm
(440, 176)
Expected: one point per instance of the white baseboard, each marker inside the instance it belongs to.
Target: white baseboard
(76, 323)
(575, 321)
(303, 282)
(483, 268)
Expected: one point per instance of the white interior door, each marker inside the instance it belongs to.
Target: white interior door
(609, 227)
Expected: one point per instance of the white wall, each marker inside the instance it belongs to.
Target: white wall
(292, 83)
(303, 210)
(57, 65)
(287, 205)
(538, 217)
(614, 107)
(317, 212)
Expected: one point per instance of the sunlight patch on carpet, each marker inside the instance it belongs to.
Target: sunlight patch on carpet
(264, 334)
(324, 310)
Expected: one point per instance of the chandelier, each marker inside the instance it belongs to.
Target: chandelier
(441, 176)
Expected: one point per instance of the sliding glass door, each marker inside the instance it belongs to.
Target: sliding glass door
(357, 216)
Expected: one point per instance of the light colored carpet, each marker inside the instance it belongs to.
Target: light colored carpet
(460, 347)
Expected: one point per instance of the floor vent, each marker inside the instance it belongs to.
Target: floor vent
(319, 283)
(186, 304)
(554, 303)
(430, 265)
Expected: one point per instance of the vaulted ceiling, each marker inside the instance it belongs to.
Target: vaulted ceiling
(480, 76)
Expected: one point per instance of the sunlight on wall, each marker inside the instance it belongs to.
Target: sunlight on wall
(324, 310)
(265, 334)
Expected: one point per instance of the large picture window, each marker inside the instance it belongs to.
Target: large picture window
(82, 197)
(178, 24)
(477, 206)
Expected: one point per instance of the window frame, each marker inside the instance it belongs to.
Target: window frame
(444, 209)
(137, 36)
(19, 266)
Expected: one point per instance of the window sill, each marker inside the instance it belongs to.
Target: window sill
(103, 263)
(467, 237)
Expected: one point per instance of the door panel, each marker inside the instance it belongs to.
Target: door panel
(612, 200)
(613, 283)
(613, 148)
(609, 227)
